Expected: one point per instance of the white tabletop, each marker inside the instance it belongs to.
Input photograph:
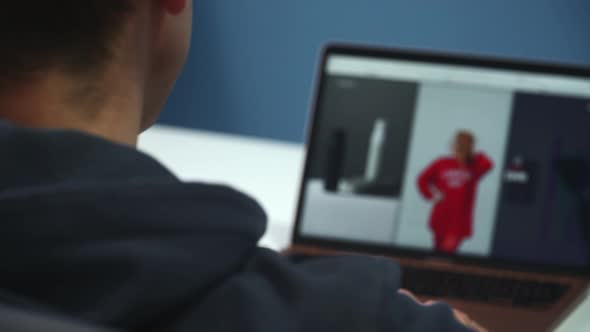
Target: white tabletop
(268, 170)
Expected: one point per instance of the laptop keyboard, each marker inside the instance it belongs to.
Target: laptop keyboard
(493, 290)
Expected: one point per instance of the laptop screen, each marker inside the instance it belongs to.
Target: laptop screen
(442, 157)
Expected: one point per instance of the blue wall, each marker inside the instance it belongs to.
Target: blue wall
(253, 61)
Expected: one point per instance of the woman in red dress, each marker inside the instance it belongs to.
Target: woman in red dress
(451, 184)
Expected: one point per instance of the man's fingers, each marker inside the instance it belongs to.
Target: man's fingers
(413, 297)
(408, 294)
(465, 320)
(459, 315)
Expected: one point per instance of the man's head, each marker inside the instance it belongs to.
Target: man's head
(91, 55)
(464, 145)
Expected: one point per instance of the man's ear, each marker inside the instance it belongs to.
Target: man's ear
(173, 7)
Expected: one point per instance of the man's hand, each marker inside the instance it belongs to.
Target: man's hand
(437, 196)
(459, 315)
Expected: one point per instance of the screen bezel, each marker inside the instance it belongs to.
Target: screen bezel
(433, 58)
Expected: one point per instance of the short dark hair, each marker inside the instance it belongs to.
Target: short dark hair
(73, 35)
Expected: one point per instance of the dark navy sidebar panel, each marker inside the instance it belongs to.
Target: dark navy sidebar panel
(545, 218)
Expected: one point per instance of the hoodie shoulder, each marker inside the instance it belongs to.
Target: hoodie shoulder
(229, 196)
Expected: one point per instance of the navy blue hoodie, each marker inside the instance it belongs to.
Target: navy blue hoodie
(104, 233)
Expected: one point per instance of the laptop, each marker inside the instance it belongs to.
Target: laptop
(473, 173)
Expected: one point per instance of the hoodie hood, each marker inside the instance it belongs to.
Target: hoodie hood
(80, 214)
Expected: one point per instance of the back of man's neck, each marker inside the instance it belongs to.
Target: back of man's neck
(46, 104)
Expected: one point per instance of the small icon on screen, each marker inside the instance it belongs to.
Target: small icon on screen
(350, 84)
